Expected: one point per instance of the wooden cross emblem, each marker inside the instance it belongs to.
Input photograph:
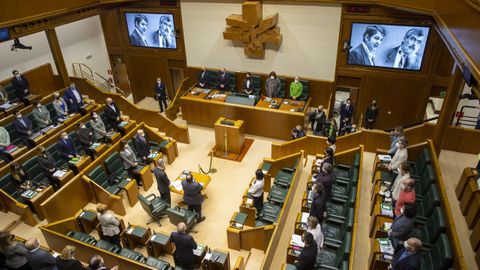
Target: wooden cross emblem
(252, 30)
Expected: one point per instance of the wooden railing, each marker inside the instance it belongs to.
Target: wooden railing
(174, 107)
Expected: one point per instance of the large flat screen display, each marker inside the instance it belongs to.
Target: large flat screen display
(152, 30)
(387, 45)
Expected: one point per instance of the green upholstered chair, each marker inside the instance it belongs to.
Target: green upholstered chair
(82, 237)
(269, 213)
(257, 88)
(423, 182)
(105, 245)
(421, 163)
(334, 229)
(12, 94)
(212, 79)
(338, 207)
(305, 90)
(7, 186)
(332, 255)
(114, 166)
(100, 176)
(284, 178)
(59, 161)
(344, 171)
(178, 214)
(426, 206)
(154, 206)
(157, 264)
(14, 138)
(434, 226)
(35, 172)
(439, 256)
(277, 195)
(281, 92)
(132, 255)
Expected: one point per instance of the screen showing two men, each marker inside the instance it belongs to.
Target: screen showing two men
(154, 30)
(389, 46)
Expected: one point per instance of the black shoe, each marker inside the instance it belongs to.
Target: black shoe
(200, 219)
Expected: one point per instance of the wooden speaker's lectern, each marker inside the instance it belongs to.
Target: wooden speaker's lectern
(229, 139)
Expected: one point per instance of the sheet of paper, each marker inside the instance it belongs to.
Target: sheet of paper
(297, 241)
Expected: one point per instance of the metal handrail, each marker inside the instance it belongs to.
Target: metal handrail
(463, 116)
(415, 123)
(83, 71)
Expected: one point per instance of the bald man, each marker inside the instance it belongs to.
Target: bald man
(96, 263)
(38, 258)
(408, 258)
(184, 247)
(112, 112)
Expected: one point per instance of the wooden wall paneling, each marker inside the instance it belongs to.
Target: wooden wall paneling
(463, 140)
(112, 33)
(42, 80)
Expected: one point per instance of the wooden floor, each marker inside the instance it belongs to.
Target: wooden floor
(231, 180)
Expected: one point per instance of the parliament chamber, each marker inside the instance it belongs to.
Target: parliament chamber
(271, 134)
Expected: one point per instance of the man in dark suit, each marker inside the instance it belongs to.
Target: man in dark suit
(402, 225)
(192, 195)
(65, 147)
(74, 99)
(22, 87)
(319, 201)
(161, 94)
(408, 258)
(141, 145)
(96, 263)
(23, 127)
(47, 163)
(317, 120)
(164, 37)
(163, 182)
(184, 247)
(85, 136)
(137, 37)
(203, 78)
(346, 114)
(112, 112)
(38, 258)
(364, 54)
(223, 79)
(406, 55)
(306, 259)
(325, 177)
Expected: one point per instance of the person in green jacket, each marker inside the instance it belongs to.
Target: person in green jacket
(296, 88)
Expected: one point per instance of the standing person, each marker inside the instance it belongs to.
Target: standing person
(65, 147)
(203, 78)
(296, 88)
(477, 126)
(112, 113)
(306, 259)
(184, 247)
(319, 201)
(192, 195)
(409, 257)
(161, 94)
(401, 155)
(371, 115)
(109, 224)
(130, 162)
(22, 87)
(60, 106)
(346, 115)
(256, 190)
(47, 163)
(325, 177)
(67, 261)
(141, 145)
(272, 85)
(41, 115)
(407, 195)
(137, 37)
(297, 132)
(318, 119)
(73, 97)
(15, 253)
(364, 54)
(96, 263)
(39, 259)
(331, 144)
(99, 130)
(248, 84)
(223, 79)
(395, 136)
(85, 136)
(165, 35)
(163, 183)
(315, 229)
(24, 128)
(403, 174)
(4, 143)
(402, 225)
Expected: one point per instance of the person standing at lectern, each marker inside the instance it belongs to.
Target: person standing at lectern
(192, 195)
(272, 85)
(161, 94)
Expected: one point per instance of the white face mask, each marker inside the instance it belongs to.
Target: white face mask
(398, 145)
(271, 77)
(399, 171)
(17, 76)
(296, 81)
(65, 137)
(405, 245)
(403, 186)
(402, 210)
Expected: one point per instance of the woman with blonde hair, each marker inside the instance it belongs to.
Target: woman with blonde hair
(109, 224)
(67, 261)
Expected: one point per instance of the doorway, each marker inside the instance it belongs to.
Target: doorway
(341, 95)
(120, 75)
(177, 76)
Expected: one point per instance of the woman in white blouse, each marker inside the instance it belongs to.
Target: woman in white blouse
(401, 155)
(316, 230)
(403, 174)
(256, 191)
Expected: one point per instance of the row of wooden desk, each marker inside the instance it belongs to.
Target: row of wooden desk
(202, 108)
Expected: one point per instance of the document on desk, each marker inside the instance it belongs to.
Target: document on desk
(59, 173)
(304, 217)
(297, 241)
(385, 158)
(177, 184)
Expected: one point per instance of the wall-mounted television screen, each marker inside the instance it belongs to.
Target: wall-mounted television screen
(152, 30)
(387, 45)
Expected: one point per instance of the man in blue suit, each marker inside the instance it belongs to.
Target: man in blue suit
(23, 127)
(22, 87)
(65, 147)
(74, 99)
(184, 247)
(161, 94)
(141, 145)
(346, 115)
(408, 258)
(192, 195)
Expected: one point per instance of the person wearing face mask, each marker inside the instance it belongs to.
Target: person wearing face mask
(73, 97)
(306, 259)
(272, 85)
(346, 115)
(60, 106)
(4, 143)
(86, 139)
(407, 195)
(331, 144)
(403, 174)
(192, 195)
(402, 225)
(296, 88)
(401, 155)
(19, 178)
(297, 132)
(371, 115)
(163, 182)
(408, 257)
(203, 78)
(23, 127)
(141, 145)
(130, 162)
(325, 177)
(99, 131)
(395, 136)
(47, 163)
(248, 84)
(318, 118)
(112, 113)
(41, 115)
(65, 147)
(22, 87)
(161, 94)
(223, 79)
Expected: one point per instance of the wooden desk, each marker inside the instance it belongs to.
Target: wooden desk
(80, 165)
(35, 202)
(376, 260)
(16, 106)
(147, 177)
(199, 254)
(100, 149)
(292, 105)
(200, 178)
(131, 189)
(198, 93)
(468, 174)
(249, 210)
(159, 244)
(259, 120)
(88, 221)
(472, 207)
(217, 95)
(378, 218)
(263, 103)
(129, 126)
(220, 260)
(135, 236)
(20, 150)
